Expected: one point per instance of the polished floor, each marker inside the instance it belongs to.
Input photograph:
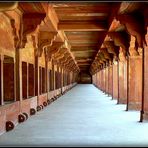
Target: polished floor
(84, 116)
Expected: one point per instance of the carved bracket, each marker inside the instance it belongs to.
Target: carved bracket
(54, 48)
(45, 39)
(133, 49)
(15, 34)
(29, 23)
(105, 53)
(135, 26)
(111, 48)
(121, 39)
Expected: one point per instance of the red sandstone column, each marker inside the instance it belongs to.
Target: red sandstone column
(135, 78)
(36, 76)
(2, 90)
(121, 81)
(110, 79)
(103, 76)
(135, 83)
(106, 79)
(18, 87)
(53, 76)
(145, 99)
(115, 80)
(102, 80)
(27, 81)
(125, 81)
(99, 80)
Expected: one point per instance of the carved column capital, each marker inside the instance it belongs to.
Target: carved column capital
(135, 25)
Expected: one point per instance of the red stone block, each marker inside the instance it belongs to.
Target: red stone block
(115, 81)
(135, 83)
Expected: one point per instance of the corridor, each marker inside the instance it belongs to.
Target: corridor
(84, 116)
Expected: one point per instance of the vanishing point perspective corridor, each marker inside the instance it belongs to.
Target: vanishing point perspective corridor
(74, 73)
(82, 117)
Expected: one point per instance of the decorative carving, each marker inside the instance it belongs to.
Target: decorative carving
(21, 118)
(15, 34)
(60, 54)
(135, 25)
(106, 54)
(45, 104)
(121, 39)
(61, 61)
(29, 23)
(49, 101)
(54, 48)
(9, 126)
(101, 58)
(45, 39)
(26, 115)
(32, 111)
(133, 48)
(111, 48)
(39, 108)
(121, 55)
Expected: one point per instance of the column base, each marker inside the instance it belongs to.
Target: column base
(114, 98)
(122, 101)
(134, 106)
(145, 115)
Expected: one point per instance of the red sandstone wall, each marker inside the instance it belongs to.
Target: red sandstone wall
(2, 120)
(9, 112)
(27, 104)
(42, 98)
(9, 92)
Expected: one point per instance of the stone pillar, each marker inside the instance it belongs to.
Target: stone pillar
(115, 81)
(121, 82)
(135, 83)
(61, 78)
(18, 95)
(125, 82)
(135, 77)
(53, 75)
(145, 99)
(27, 81)
(1, 80)
(103, 79)
(106, 80)
(36, 76)
(99, 79)
(46, 76)
(110, 79)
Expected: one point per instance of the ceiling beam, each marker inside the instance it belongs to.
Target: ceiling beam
(8, 6)
(83, 64)
(82, 26)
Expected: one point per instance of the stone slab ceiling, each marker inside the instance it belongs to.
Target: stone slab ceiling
(85, 26)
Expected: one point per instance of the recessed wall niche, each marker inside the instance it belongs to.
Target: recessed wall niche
(8, 79)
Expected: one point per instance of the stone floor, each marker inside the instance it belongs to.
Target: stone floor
(82, 117)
